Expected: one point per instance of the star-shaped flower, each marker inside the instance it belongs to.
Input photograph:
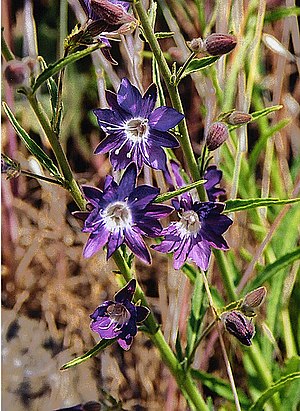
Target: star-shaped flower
(135, 130)
(200, 228)
(119, 318)
(122, 213)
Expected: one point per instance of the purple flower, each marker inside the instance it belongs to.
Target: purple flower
(118, 318)
(200, 227)
(122, 213)
(213, 177)
(239, 326)
(135, 130)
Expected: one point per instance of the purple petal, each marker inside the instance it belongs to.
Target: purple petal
(94, 243)
(154, 156)
(128, 181)
(125, 343)
(116, 238)
(120, 160)
(158, 210)
(111, 142)
(148, 101)
(200, 254)
(129, 98)
(142, 195)
(126, 293)
(92, 194)
(163, 118)
(182, 252)
(108, 119)
(101, 310)
(142, 313)
(105, 327)
(136, 244)
(163, 138)
(149, 226)
(81, 215)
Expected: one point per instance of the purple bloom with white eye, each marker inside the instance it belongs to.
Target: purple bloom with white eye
(119, 318)
(200, 228)
(135, 130)
(122, 213)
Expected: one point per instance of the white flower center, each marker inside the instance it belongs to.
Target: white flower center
(117, 215)
(118, 313)
(190, 222)
(136, 129)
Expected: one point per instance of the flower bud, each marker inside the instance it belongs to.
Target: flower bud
(113, 14)
(216, 135)
(253, 300)
(238, 117)
(196, 45)
(17, 73)
(217, 44)
(239, 326)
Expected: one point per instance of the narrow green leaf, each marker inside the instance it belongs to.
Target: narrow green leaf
(219, 386)
(178, 348)
(51, 85)
(167, 196)
(164, 34)
(54, 68)
(31, 145)
(270, 270)
(281, 12)
(199, 64)
(91, 353)
(278, 385)
(245, 204)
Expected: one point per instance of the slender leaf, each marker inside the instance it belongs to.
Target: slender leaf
(278, 385)
(273, 268)
(199, 64)
(91, 353)
(281, 12)
(220, 387)
(31, 145)
(257, 114)
(167, 196)
(164, 34)
(54, 68)
(245, 204)
(52, 87)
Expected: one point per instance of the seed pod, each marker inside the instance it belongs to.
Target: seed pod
(239, 326)
(217, 134)
(217, 44)
(238, 117)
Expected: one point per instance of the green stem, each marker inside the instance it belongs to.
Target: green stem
(59, 153)
(5, 50)
(173, 92)
(39, 177)
(226, 274)
(183, 67)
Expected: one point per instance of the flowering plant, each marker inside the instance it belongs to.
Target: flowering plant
(145, 140)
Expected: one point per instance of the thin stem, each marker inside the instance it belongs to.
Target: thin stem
(61, 158)
(183, 67)
(40, 177)
(229, 370)
(5, 50)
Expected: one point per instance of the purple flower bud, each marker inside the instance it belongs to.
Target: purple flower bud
(252, 300)
(113, 14)
(195, 45)
(238, 117)
(17, 73)
(217, 44)
(216, 135)
(239, 326)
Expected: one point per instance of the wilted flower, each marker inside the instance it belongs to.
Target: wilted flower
(122, 213)
(239, 326)
(238, 117)
(217, 44)
(119, 318)
(217, 134)
(200, 228)
(253, 300)
(135, 130)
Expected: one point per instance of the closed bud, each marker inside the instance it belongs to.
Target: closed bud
(216, 135)
(253, 300)
(239, 326)
(217, 44)
(238, 117)
(17, 73)
(196, 45)
(113, 14)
